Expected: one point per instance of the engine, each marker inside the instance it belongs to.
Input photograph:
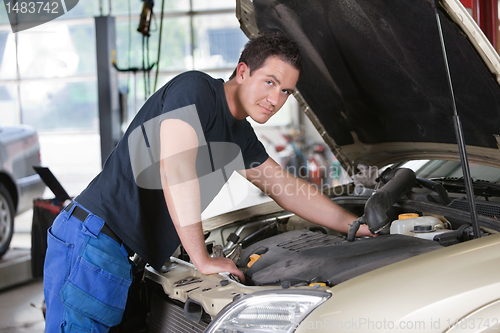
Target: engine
(305, 257)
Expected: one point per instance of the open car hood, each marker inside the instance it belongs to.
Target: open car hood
(375, 83)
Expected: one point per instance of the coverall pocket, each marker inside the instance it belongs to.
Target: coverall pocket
(98, 285)
(78, 329)
(59, 253)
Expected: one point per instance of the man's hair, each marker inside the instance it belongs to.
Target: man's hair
(270, 44)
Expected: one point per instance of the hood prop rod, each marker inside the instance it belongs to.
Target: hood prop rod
(459, 134)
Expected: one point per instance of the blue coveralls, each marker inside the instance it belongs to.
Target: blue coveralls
(87, 276)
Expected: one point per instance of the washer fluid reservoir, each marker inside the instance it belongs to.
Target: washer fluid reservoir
(418, 226)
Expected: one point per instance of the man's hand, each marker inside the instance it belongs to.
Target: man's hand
(216, 265)
(364, 231)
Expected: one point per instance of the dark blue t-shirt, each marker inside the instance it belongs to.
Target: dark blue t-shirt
(127, 193)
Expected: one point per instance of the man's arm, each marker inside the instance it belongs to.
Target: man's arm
(179, 147)
(301, 198)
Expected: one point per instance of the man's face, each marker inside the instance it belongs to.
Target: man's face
(264, 92)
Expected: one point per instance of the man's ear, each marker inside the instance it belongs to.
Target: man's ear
(242, 71)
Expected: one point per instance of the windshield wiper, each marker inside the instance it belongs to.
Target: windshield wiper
(436, 187)
(482, 188)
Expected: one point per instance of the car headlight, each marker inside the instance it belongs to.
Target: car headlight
(276, 311)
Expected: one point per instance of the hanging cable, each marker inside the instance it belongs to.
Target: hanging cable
(144, 66)
(129, 36)
(148, 81)
(159, 45)
(144, 29)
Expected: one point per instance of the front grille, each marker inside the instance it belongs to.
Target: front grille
(168, 317)
(490, 209)
(310, 240)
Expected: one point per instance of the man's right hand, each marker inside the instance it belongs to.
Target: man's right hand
(217, 265)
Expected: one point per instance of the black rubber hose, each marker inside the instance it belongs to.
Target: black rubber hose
(398, 182)
(258, 234)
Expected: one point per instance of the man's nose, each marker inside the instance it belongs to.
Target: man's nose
(273, 97)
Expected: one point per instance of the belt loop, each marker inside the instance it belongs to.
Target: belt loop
(69, 208)
(92, 225)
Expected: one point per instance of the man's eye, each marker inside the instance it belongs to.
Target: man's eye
(269, 82)
(286, 92)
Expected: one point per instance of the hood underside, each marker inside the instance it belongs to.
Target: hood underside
(375, 81)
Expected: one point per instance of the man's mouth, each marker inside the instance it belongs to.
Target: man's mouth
(265, 109)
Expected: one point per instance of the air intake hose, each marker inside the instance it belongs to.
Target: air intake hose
(397, 183)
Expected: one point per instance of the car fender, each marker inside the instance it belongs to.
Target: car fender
(427, 293)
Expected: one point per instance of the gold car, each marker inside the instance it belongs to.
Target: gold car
(376, 86)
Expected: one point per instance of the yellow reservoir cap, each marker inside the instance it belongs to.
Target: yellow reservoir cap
(322, 284)
(253, 258)
(407, 216)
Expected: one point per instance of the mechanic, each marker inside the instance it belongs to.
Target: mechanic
(150, 194)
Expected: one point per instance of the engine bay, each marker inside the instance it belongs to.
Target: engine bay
(286, 250)
(279, 250)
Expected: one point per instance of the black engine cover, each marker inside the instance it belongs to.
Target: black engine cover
(305, 256)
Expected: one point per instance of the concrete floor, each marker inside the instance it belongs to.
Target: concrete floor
(21, 305)
(20, 309)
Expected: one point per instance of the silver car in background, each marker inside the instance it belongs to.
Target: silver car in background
(19, 183)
